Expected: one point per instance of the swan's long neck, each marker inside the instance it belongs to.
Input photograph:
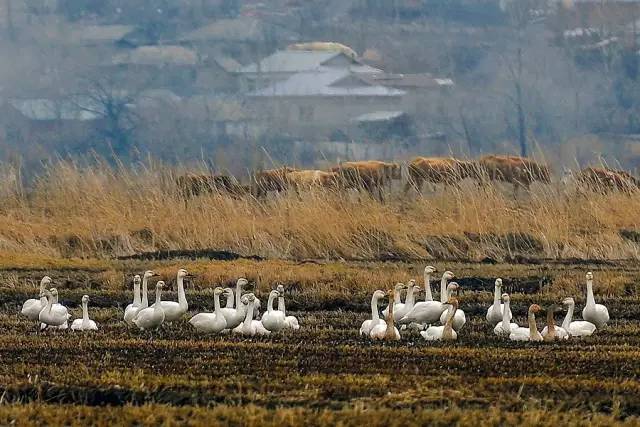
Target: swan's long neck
(390, 332)
(447, 331)
(42, 286)
(55, 299)
(567, 319)
(249, 316)
(43, 301)
(505, 315)
(270, 303)
(158, 306)
(145, 297)
(216, 303)
(427, 287)
(496, 298)
(411, 300)
(533, 328)
(443, 290)
(281, 305)
(49, 303)
(374, 309)
(590, 299)
(182, 298)
(229, 303)
(136, 293)
(551, 326)
(238, 294)
(397, 296)
(85, 313)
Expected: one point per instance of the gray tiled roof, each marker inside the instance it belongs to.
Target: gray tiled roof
(293, 61)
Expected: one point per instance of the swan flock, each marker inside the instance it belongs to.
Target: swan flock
(435, 320)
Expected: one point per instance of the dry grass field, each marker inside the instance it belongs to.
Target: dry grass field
(330, 251)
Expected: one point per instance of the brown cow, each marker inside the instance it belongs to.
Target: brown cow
(369, 175)
(604, 180)
(191, 185)
(307, 179)
(270, 180)
(520, 171)
(436, 170)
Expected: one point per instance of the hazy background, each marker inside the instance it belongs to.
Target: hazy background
(182, 80)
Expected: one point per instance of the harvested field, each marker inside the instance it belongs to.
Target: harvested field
(324, 374)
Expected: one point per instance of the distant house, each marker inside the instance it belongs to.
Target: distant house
(314, 103)
(594, 15)
(285, 63)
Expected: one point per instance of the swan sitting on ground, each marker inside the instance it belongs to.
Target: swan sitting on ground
(235, 316)
(367, 325)
(211, 322)
(249, 326)
(85, 324)
(494, 313)
(397, 297)
(175, 310)
(53, 315)
(427, 312)
(505, 327)
(151, 317)
(578, 328)
(446, 331)
(592, 312)
(387, 331)
(32, 307)
(290, 322)
(132, 309)
(551, 331)
(273, 320)
(459, 318)
(529, 333)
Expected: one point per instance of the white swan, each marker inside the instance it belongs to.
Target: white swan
(397, 297)
(446, 331)
(530, 333)
(427, 312)
(53, 315)
(428, 271)
(551, 331)
(132, 309)
(368, 324)
(211, 322)
(151, 317)
(235, 316)
(273, 320)
(592, 312)
(228, 294)
(401, 310)
(494, 313)
(290, 322)
(85, 324)
(387, 331)
(175, 310)
(504, 328)
(144, 303)
(249, 326)
(32, 307)
(578, 328)
(459, 318)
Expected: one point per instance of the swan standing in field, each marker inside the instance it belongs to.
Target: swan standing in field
(132, 309)
(494, 313)
(273, 320)
(446, 331)
(387, 331)
(151, 317)
(85, 324)
(175, 310)
(551, 331)
(235, 316)
(427, 312)
(397, 297)
(290, 322)
(53, 315)
(367, 325)
(578, 328)
(529, 333)
(249, 326)
(459, 318)
(32, 307)
(211, 322)
(428, 271)
(144, 303)
(505, 327)
(592, 312)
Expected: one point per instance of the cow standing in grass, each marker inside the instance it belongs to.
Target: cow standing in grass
(604, 180)
(370, 175)
(519, 171)
(192, 185)
(438, 170)
(270, 180)
(308, 179)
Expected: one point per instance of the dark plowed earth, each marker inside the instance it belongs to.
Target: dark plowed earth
(324, 374)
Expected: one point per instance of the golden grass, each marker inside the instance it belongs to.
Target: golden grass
(100, 211)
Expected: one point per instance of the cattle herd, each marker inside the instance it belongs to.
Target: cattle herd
(373, 176)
